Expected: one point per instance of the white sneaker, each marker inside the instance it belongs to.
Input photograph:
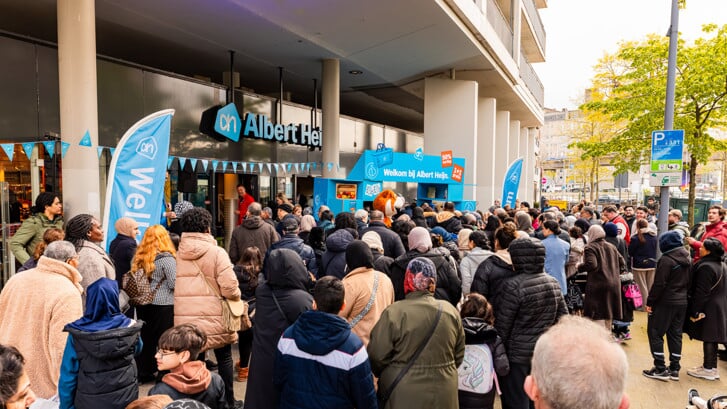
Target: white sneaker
(708, 374)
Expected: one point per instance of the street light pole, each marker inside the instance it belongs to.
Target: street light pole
(669, 108)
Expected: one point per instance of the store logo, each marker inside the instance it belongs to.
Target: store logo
(228, 123)
(147, 148)
(371, 171)
(260, 127)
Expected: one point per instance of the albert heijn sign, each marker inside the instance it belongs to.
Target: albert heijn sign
(256, 126)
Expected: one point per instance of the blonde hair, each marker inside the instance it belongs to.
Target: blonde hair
(156, 240)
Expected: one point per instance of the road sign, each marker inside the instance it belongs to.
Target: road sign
(665, 179)
(667, 149)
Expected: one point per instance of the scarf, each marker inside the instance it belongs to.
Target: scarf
(126, 226)
(102, 308)
(421, 275)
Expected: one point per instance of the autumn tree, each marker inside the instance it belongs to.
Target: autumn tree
(629, 87)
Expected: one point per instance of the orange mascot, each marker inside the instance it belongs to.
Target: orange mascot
(387, 202)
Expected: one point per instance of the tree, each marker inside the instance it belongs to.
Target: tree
(630, 86)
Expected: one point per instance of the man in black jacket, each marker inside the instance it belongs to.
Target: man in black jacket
(667, 306)
(393, 247)
(290, 240)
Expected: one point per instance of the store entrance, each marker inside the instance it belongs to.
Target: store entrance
(304, 191)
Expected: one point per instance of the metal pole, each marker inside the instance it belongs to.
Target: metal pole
(669, 108)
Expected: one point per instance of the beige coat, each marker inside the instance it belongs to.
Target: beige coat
(35, 305)
(359, 284)
(194, 301)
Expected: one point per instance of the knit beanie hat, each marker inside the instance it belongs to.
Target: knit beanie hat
(670, 240)
(373, 240)
(610, 229)
(421, 275)
(126, 226)
(419, 239)
(358, 254)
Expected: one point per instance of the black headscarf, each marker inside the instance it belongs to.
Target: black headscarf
(358, 254)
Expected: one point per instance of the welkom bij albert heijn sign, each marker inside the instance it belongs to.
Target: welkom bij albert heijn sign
(257, 126)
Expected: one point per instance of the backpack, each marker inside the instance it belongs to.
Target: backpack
(476, 374)
(138, 287)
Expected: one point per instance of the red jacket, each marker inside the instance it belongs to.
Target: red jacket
(717, 230)
(619, 220)
(242, 205)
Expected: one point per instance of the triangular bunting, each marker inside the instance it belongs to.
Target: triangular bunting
(288, 167)
(260, 167)
(234, 166)
(50, 147)
(182, 162)
(205, 162)
(296, 168)
(9, 149)
(193, 162)
(99, 151)
(269, 167)
(244, 166)
(329, 165)
(276, 166)
(315, 165)
(169, 162)
(224, 165)
(111, 151)
(214, 165)
(28, 148)
(64, 148)
(86, 140)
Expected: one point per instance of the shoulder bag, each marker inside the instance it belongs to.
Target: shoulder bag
(234, 313)
(385, 395)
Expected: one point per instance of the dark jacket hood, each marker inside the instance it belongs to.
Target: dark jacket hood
(319, 333)
(338, 240)
(285, 269)
(106, 345)
(477, 331)
(528, 255)
(253, 222)
(680, 255)
(670, 240)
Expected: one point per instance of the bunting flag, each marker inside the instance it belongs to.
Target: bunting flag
(64, 148)
(86, 140)
(234, 166)
(329, 165)
(214, 165)
(296, 168)
(50, 147)
(244, 167)
(169, 162)
(205, 162)
(193, 162)
(9, 149)
(136, 172)
(99, 151)
(288, 167)
(260, 168)
(28, 148)
(112, 151)
(315, 165)
(269, 167)
(276, 166)
(182, 162)
(224, 166)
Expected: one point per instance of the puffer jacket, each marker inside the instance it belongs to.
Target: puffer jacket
(393, 247)
(293, 242)
(531, 301)
(449, 221)
(201, 264)
(105, 367)
(333, 262)
(287, 281)
(479, 332)
(449, 286)
(671, 279)
(469, 264)
(30, 233)
(491, 274)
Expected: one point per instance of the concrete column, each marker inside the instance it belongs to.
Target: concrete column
(524, 192)
(450, 123)
(486, 118)
(78, 105)
(514, 143)
(516, 24)
(501, 150)
(330, 112)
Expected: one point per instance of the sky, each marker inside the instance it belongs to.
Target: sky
(579, 32)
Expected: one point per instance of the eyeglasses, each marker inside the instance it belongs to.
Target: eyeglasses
(162, 354)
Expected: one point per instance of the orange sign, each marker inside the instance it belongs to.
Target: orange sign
(457, 172)
(446, 159)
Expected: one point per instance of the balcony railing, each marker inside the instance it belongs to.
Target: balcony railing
(536, 22)
(527, 73)
(499, 23)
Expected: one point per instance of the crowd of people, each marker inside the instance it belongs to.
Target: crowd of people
(441, 309)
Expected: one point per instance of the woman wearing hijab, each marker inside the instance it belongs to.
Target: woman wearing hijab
(368, 292)
(123, 246)
(98, 370)
(403, 327)
(524, 222)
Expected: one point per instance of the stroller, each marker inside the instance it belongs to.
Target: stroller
(718, 401)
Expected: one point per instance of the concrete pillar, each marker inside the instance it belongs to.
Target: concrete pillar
(486, 118)
(450, 123)
(78, 105)
(501, 150)
(514, 143)
(516, 17)
(330, 112)
(524, 192)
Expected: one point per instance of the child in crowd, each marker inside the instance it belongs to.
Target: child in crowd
(247, 271)
(187, 378)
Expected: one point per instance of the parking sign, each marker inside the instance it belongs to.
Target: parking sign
(667, 150)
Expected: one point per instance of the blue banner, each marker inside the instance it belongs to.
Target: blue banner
(512, 183)
(135, 185)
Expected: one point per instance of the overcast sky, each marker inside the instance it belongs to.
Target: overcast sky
(579, 32)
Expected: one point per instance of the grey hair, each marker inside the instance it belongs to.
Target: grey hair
(268, 211)
(60, 250)
(578, 355)
(254, 209)
(376, 215)
(361, 214)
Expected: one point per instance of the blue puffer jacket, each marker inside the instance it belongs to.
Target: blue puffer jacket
(293, 242)
(320, 363)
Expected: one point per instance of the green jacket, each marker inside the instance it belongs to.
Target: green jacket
(432, 380)
(30, 233)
